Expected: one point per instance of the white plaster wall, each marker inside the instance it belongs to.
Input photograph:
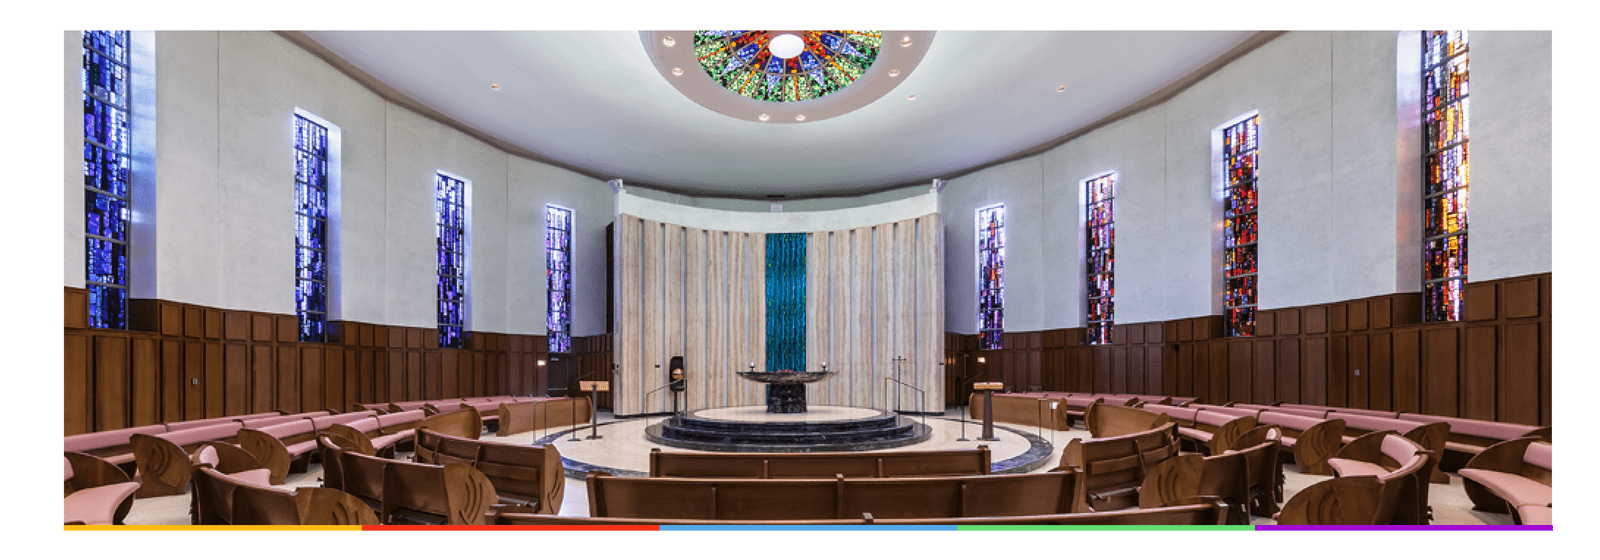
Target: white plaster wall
(1018, 185)
(1363, 186)
(1122, 147)
(73, 259)
(190, 218)
(418, 148)
(1510, 193)
(532, 186)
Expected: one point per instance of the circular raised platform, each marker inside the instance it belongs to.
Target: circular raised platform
(820, 428)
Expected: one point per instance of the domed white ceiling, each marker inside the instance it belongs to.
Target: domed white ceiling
(595, 101)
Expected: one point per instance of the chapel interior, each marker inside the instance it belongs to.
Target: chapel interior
(811, 278)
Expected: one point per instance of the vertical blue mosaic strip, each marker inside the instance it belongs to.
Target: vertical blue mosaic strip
(107, 160)
(786, 301)
(558, 277)
(450, 208)
(311, 228)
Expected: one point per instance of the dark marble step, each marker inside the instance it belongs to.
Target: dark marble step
(886, 430)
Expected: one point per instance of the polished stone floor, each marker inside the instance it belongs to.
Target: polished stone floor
(622, 447)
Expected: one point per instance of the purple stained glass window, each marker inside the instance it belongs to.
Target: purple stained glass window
(1445, 173)
(991, 276)
(1100, 259)
(107, 162)
(311, 228)
(558, 277)
(1239, 227)
(450, 208)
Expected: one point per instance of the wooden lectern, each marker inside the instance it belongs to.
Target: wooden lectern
(592, 387)
(988, 389)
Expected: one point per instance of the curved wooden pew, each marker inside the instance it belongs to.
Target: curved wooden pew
(221, 499)
(1512, 477)
(521, 474)
(1108, 420)
(838, 498)
(880, 464)
(1400, 464)
(405, 493)
(1113, 468)
(1196, 514)
(1312, 441)
(95, 491)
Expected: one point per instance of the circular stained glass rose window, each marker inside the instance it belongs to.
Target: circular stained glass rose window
(766, 66)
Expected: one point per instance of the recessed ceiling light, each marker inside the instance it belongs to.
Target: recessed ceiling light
(764, 117)
(495, 87)
(1061, 88)
(668, 41)
(799, 117)
(906, 41)
(895, 72)
(912, 97)
(677, 71)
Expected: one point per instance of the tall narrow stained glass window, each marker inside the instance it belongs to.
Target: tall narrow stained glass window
(311, 228)
(558, 277)
(107, 163)
(991, 276)
(450, 208)
(1445, 173)
(1239, 227)
(1099, 257)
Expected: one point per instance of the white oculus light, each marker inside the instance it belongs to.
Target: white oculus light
(787, 45)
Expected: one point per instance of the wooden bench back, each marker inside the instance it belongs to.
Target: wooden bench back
(1196, 514)
(1113, 467)
(1108, 420)
(838, 498)
(466, 423)
(888, 464)
(520, 473)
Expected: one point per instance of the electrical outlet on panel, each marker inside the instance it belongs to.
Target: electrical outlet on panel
(1358, 373)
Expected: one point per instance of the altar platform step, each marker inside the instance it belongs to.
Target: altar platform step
(707, 431)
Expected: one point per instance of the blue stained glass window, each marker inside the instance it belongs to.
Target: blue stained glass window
(1099, 234)
(1445, 108)
(1239, 227)
(991, 276)
(311, 228)
(450, 208)
(558, 277)
(107, 162)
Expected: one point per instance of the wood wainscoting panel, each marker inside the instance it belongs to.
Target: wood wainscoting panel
(75, 311)
(1289, 370)
(287, 327)
(1545, 366)
(432, 383)
(1380, 371)
(1478, 377)
(1183, 367)
(1266, 323)
(1338, 370)
(311, 378)
(215, 381)
(1241, 367)
(262, 378)
(1315, 318)
(110, 382)
(236, 371)
(1218, 374)
(449, 373)
(1339, 317)
(1407, 379)
(1519, 386)
(1136, 371)
(1288, 321)
(394, 376)
(1119, 370)
(414, 374)
(171, 320)
(1478, 302)
(194, 322)
(1522, 298)
(172, 381)
(1360, 371)
(236, 325)
(1357, 311)
(194, 380)
(1439, 362)
(287, 396)
(76, 383)
(1314, 371)
(1155, 374)
(1382, 312)
(1263, 386)
(333, 381)
(261, 327)
(214, 323)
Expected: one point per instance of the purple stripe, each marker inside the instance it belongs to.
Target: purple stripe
(1404, 527)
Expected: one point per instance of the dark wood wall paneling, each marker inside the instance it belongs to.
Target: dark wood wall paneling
(1373, 353)
(183, 362)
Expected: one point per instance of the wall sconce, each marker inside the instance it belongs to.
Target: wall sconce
(980, 359)
(541, 363)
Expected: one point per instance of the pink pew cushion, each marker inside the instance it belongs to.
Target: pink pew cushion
(1194, 433)
(1538, 455)
(381, 442)
(197, 435)
(109, 438)
(1352, 467)
(1516, 490)
(397, 418)
(1535, 515)
(98, 505)
(68, 463)
(287, 429)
